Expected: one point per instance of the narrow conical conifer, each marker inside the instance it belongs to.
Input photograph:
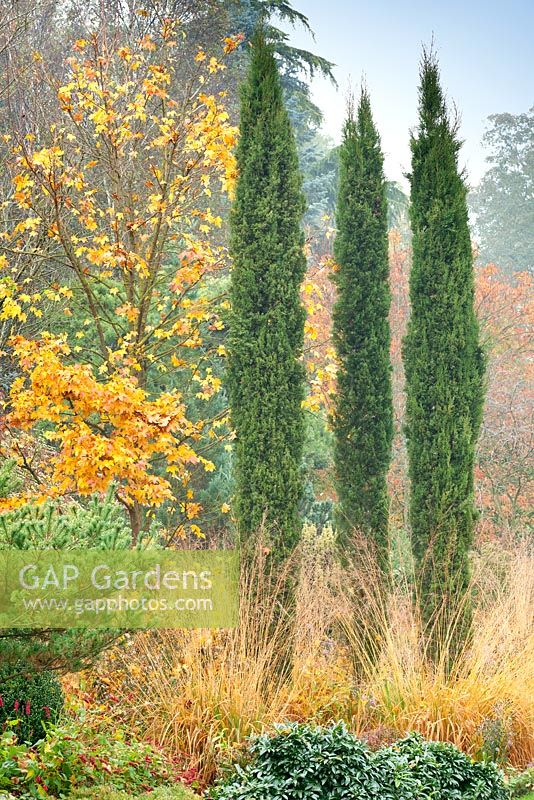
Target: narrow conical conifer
(265, 376)
(363, 418)
(444, 368)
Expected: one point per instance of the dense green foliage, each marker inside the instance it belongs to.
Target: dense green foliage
(64, 650)
(306, 763)
(294, 64)
(444, 365)
(503, 203)
(97, 524)
(363, 418)
(265, 378)
(28, 701)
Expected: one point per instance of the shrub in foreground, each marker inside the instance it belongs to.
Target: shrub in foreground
(28, 701)
(312, 763)
(73, 757)
(521, 784)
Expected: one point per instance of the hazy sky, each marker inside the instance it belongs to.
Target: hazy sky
(485, 48)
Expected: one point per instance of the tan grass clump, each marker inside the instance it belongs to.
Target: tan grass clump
(200, 694)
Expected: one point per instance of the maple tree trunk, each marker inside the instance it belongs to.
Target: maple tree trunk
(135, 514)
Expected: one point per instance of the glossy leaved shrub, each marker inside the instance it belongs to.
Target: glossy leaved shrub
(312, 763)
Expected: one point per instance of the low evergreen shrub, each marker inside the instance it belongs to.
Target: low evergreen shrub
(301, 762)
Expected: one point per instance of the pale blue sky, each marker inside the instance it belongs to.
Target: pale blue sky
(485, 48)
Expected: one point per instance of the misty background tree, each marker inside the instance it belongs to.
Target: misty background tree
(503, 202)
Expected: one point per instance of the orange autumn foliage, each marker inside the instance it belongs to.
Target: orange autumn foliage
(119, 198)
(318, 295)
(105, 432)
(505, 490)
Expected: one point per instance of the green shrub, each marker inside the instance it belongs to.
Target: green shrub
(305, 763)
(99, 523)
(29, 700)
(437, 770)
(301, 763)
(521, 784)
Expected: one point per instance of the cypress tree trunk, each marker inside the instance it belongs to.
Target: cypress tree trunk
(363, 419)
(444, 373)
(265, 377)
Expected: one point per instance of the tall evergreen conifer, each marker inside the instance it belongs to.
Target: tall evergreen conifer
(363, 419)
(265, 377)
(444, 368)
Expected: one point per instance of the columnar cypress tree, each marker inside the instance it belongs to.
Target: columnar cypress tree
(363, 419)
(265, 377)
(444, 365)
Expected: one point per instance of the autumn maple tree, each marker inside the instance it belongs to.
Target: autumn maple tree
(115, 209)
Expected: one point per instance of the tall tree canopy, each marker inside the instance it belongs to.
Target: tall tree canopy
(443, 361)
(363, 420)
(265, 377)
(503, 203)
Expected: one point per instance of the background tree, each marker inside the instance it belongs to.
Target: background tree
(505, 485)
(503, 203)
(363, 416)
(444, 366)
(265, 377)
